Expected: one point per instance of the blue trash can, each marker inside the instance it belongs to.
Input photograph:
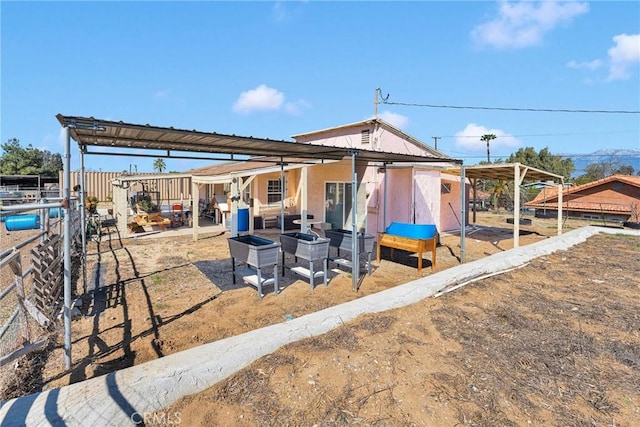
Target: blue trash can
(243, 219)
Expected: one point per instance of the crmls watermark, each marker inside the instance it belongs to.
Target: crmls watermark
(156, 418)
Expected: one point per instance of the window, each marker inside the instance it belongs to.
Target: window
(445, 188)
(274, 191)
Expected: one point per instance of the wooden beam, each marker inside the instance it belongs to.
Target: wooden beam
(26, 349)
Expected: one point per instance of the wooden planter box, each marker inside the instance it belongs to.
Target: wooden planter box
(342, 240)
(257, 253)
(416, 238)
(308, 247)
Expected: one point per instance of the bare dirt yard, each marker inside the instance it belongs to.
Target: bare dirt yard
(556, 342)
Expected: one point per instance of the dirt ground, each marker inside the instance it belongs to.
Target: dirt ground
(556, 342)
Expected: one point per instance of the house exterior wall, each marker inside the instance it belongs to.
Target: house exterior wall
(317, 177)
(451, 204)
(613, 200)
(380, 139)
(413, 194)
(613, 193)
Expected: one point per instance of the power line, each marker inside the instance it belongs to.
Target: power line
(536, 110)
(611, 132)
(466, 155)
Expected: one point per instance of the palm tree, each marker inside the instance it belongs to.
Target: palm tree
(159, 165)
(488, 137)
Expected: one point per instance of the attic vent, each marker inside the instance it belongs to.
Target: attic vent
(364, 137)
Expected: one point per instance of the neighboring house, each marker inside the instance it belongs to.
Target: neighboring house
(482, 200)
(615, 198)
(415, 193)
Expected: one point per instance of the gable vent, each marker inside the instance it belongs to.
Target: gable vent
(364, 137)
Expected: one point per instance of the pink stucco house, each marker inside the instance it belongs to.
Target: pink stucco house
(413, 193)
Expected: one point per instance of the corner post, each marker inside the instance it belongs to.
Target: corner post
(66, 201)
(463, 189)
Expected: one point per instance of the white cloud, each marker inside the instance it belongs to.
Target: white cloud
(468, 139)
(525, 23)
(591, 65)
(394, 119)
(623, 56)
(262, 98)
(296, 108)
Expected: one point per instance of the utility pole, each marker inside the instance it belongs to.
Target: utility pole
(375, 104)
(435, 141)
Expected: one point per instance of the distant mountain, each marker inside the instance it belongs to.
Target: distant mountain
(617, 157)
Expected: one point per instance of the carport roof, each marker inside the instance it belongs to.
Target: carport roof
(92, 132)
(506, 172)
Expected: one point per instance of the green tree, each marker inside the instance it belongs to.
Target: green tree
(159, 165)
(16, 160)
(624, 170)
(543, 160)
(603, 169)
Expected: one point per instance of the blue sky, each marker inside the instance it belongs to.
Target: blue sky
(276, 69)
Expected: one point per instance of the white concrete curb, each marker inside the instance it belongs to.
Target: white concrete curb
(124, 397)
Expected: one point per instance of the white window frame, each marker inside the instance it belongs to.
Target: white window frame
(274, 196)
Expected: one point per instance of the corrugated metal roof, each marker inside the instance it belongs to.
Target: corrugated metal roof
(250, 166)
(90, 132)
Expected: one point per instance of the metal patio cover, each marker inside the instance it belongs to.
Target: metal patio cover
(92, 132)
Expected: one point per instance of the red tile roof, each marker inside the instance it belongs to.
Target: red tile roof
(549, 199)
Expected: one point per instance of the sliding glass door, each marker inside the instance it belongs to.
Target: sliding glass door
(337, 204)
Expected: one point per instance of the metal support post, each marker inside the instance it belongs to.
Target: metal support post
(463, 189)
(66, 194)
(355, 263)
(83, 219)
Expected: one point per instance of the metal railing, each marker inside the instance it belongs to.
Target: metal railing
(22, 325)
